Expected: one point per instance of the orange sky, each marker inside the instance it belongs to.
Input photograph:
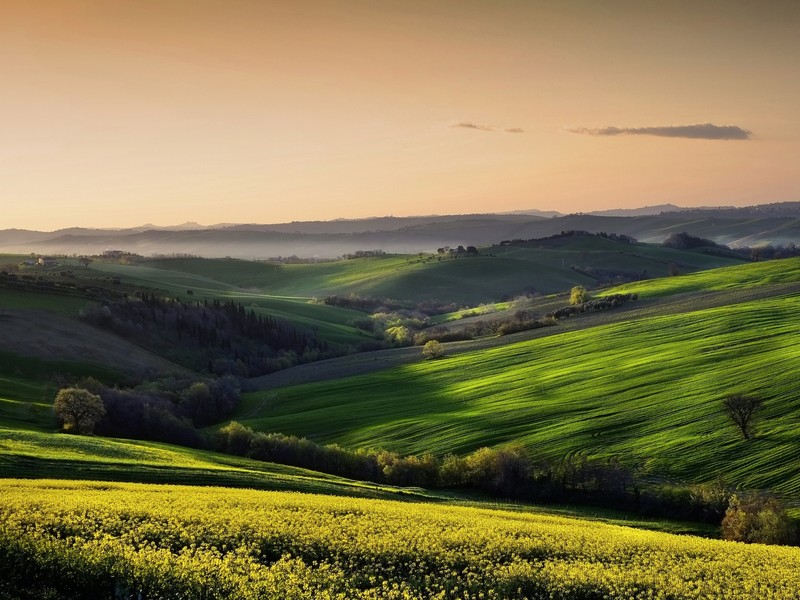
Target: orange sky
(116, 113)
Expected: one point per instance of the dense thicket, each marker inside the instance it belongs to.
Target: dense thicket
(167, 411)
(223, 337)
(378, 304)
(545, 242)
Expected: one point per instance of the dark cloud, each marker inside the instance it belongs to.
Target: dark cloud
(471, 125)
(705, 131)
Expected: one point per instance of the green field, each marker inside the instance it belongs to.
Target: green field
(642, 384)
(497, 273)
(739, 277)
(647, 391)
(36, 454)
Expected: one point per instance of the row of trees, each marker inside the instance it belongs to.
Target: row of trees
(686, 241)
(509, 472)
(170, 410)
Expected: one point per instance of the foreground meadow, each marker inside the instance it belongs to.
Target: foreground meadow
(94, 540)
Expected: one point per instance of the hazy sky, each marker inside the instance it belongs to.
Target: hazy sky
(124, 112)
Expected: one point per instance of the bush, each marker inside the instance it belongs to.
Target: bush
(578, 295)
(433, 349)
(758, 519)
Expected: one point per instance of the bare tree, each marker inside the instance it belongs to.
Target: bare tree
(742, 410)
(85, 261)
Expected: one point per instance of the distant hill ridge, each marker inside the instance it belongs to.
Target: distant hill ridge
(754, 225)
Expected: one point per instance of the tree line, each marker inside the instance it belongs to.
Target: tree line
(223, 338)
(510, 473)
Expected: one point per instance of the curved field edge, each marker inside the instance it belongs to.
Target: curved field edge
(173, 541)
(647, 391)
(45, 455)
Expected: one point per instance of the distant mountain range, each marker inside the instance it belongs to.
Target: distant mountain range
(753, 225)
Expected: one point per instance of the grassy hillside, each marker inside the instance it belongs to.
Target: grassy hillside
(647, 391)
(740, 277)
(38, 454)
(497, 273)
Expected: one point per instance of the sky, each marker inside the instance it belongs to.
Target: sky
(117, 113)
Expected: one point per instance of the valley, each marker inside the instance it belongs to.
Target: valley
(626, 399)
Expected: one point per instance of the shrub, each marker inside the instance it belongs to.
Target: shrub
(578, 295)
(758, 519)
(432, 349)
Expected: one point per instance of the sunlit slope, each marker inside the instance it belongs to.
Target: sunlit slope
(739, 277)
(647, 391)
(37, 454)
(30, 446)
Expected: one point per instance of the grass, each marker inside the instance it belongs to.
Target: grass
(742, 277)
(32, 454)
(62, 305)
(36, 454)
(499, 272)
(646, 391)
(329, 322)
(28, 386)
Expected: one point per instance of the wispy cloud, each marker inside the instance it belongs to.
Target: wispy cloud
(704, 131)
(471, 125)
(479, 127)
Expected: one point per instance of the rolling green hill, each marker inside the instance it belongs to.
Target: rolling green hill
(39, 454)
(498, 272)
(647, 391)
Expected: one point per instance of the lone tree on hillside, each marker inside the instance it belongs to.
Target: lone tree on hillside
(85, 261)
(742, 409)
(433, 349)
(78, 409)
(578, 295)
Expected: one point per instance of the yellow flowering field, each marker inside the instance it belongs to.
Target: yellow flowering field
(98, 540)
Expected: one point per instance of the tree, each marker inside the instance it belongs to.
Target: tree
(433, 349)
(578, 295)
(85, 261)
(757, 519)
(78, 409)
(742, 410)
